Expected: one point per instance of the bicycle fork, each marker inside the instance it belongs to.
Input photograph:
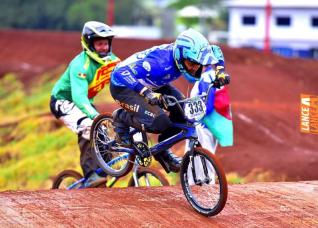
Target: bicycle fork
(197, 166)
(135, 177)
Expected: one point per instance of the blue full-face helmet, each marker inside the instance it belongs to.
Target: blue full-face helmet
(193, 46)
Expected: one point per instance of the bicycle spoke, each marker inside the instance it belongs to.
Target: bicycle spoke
(204, 182)
(147, 176)
(205, 192)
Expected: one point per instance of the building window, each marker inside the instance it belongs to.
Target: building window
(248, 20)
(283, 21)
(314, 21)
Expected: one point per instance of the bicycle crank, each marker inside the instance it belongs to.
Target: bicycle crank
(144, 156)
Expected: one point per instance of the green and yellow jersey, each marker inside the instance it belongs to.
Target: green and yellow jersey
(82, 80)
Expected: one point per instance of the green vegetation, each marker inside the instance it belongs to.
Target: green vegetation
(72, 14)
(58, 14)
(68, 15)
(33, 146)
(256, 175)
(234, 178)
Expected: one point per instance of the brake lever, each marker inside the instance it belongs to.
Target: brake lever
(164, 102)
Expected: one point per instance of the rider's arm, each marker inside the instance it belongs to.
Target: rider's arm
(144, 70)
(222, 78)
(79, 87)
(127, 76)
(219, 55)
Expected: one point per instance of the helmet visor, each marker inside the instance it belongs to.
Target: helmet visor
(101, 46)
(193, 68)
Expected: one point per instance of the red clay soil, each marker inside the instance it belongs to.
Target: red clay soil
(265, 93)
(252, 205)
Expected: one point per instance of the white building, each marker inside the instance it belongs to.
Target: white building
(292, 25)
(137, 31)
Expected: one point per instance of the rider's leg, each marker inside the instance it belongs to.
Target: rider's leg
(176, 117)
(80, 124)
(138, 111)
(89, 164)
(122, 126)
(87, 161)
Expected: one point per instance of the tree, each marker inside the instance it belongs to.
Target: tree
(85, 10)
(179, 4)
(70, 14)
(34, 14)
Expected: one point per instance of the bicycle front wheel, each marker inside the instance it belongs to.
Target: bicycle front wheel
(113, 163)
(203, 182)
(65, 179)
(148, 177)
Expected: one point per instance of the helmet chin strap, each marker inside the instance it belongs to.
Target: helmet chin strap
(93, 55)
(198, 72)
(103, 55)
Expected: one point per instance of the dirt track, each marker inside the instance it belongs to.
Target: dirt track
(252, 205)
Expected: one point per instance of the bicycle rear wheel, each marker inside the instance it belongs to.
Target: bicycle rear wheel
(114, 163)
(203, 182)
(65, 179)
(148, 177)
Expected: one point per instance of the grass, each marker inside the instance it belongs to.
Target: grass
(34, 148)
(256, 175)
(36, 156)
(234, 178)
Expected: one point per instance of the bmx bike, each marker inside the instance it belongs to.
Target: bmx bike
(202, 177)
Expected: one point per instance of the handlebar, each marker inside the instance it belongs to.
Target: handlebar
(168, 101)
(171, 100)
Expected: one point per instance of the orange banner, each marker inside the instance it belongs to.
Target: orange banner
(309, 113)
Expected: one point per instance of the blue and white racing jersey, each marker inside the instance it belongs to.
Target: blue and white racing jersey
(151, 68)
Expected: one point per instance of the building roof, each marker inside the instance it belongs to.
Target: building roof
(274, 3)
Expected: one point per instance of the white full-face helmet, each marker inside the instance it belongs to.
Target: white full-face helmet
(96, 30)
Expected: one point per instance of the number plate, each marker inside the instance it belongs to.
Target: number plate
(195, 109)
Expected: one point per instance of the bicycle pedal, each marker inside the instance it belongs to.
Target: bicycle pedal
(144, 161)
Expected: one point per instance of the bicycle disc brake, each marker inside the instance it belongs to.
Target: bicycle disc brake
(144, 156)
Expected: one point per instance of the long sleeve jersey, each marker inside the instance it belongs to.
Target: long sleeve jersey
(152, 68)
(82, 80)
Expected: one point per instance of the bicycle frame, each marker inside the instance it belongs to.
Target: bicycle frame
(100, 171)
(187, 132)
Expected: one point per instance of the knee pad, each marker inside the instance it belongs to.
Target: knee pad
(160, 124)
(84, 128)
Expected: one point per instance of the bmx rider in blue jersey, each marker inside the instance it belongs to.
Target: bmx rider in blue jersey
(138, 83)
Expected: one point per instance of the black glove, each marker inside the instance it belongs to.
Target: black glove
(221, 78)
(152, 97)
